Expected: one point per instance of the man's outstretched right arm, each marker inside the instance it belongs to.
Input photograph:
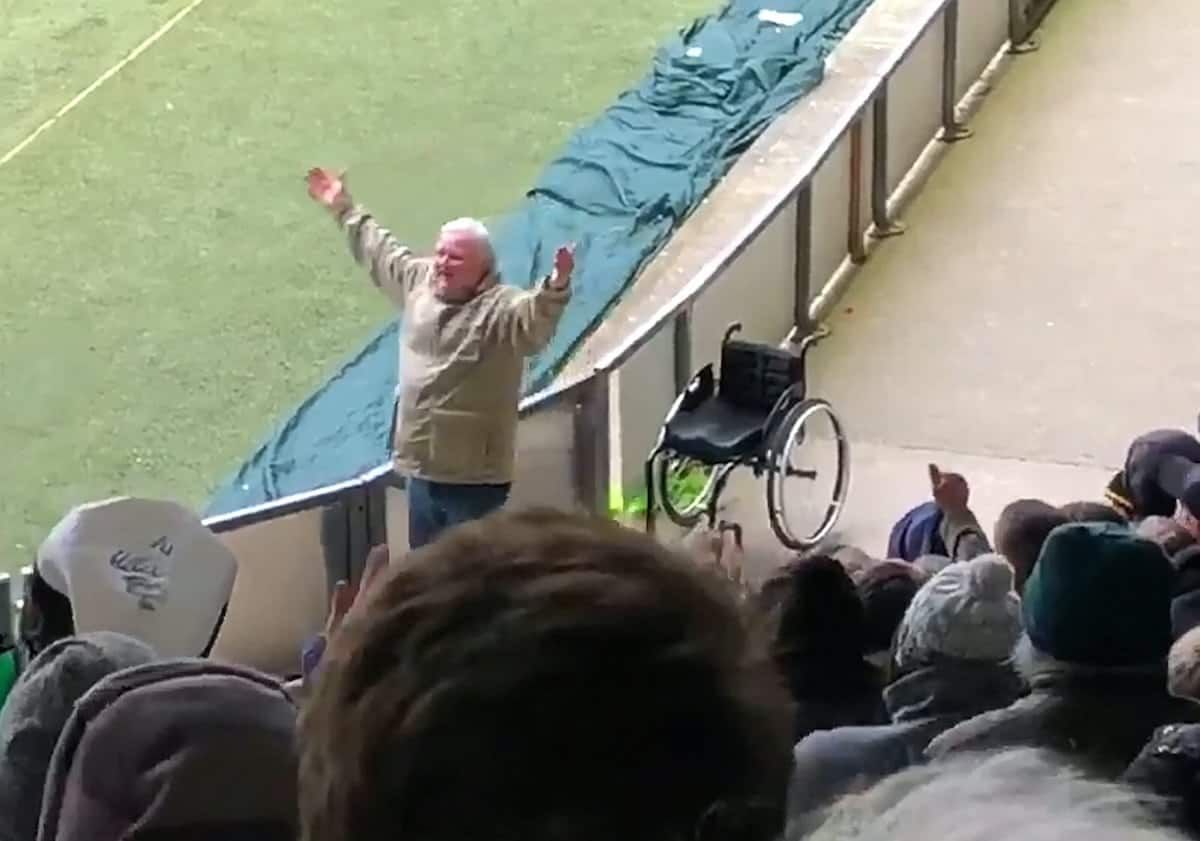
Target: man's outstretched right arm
(391, 265)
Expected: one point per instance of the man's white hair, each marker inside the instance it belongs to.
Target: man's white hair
(1019, 795)
(476, 230)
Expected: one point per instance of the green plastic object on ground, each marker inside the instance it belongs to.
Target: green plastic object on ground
(8, 674)
(619, 189)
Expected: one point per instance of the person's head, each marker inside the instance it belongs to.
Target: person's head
(463, 258)
(1020, 531)
(968, 611)
(1188, 522)
(1167, 533)
(1015, 795)
(544, 676)
(45, 617)
(1092, 512)
(1099, 597)
(147, 568)
(1167, 776)
(855, 561)
(886, 592)
(179, 749)
(816, 614)
(36, 711)
(1183, 666)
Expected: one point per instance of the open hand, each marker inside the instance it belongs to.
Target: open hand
(346, 597)
(564, 265)
(950, 490)
(328, 188)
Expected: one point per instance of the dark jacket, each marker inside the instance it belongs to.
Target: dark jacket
(921, 705)
(1098, 721)
(187, 750)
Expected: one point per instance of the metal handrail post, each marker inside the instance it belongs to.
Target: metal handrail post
(802, 260)
(855, 245)
(952, 129)
(883, 226)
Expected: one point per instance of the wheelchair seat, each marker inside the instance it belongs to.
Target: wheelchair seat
(716, 432)
(730, 424)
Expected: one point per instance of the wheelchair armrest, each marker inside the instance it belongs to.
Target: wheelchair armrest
(700, 387)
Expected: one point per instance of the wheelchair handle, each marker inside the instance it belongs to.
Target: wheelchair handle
(809, 340)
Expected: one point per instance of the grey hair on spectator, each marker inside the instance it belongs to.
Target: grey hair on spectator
(1022, 795)
(1167, 533)
(475, 229)
(1183, 666)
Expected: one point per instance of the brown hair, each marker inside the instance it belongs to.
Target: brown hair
(545, 676)
(1020, 532)
(1093, 512)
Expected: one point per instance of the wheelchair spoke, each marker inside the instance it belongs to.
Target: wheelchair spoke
(807, 477)
(684, 488)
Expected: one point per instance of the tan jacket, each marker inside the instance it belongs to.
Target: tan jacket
(460, 364)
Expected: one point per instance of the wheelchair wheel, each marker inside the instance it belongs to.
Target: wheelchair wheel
(684, 487)
(808, 472)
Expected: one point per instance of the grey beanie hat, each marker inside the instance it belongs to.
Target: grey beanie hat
(968, 611)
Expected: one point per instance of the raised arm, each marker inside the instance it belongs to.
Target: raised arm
(527, 320)
(960, 530)
(392, 267)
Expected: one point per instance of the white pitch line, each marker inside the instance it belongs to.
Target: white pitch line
(104, 77)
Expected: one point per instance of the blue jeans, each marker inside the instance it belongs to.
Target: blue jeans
(434, 507)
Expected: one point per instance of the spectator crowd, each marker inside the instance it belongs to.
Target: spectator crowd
(544, 676)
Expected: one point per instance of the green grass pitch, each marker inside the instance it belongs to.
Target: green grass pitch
(167, 289)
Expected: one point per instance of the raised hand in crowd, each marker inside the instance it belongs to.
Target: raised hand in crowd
(950, 490)
(960, 530)
(346, 598)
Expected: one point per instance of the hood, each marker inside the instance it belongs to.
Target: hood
(38, 709)
(143, 567)
(185, 749)
(959, 688)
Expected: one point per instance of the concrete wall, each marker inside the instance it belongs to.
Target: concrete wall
(281, 593)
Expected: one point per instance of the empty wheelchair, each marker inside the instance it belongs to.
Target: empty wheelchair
(755, 414)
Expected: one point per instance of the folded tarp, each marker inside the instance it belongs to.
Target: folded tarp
(619, 189)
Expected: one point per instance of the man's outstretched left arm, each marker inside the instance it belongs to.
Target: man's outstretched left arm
(527, 320)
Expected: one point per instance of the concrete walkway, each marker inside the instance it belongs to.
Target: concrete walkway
(1043, 307)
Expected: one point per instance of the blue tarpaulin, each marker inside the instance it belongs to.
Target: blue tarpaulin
(620, 187)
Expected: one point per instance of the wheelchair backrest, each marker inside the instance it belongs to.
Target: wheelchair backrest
(754, 376)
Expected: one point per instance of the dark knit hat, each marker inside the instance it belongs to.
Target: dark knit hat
(886, 591)
(817, 607)
(1100, 596)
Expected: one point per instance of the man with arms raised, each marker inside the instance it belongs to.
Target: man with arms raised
(464, 341)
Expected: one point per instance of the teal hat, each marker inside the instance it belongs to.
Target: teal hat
(1099, 596)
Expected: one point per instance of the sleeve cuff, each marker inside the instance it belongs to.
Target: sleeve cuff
(549, 290)
(352, 214)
